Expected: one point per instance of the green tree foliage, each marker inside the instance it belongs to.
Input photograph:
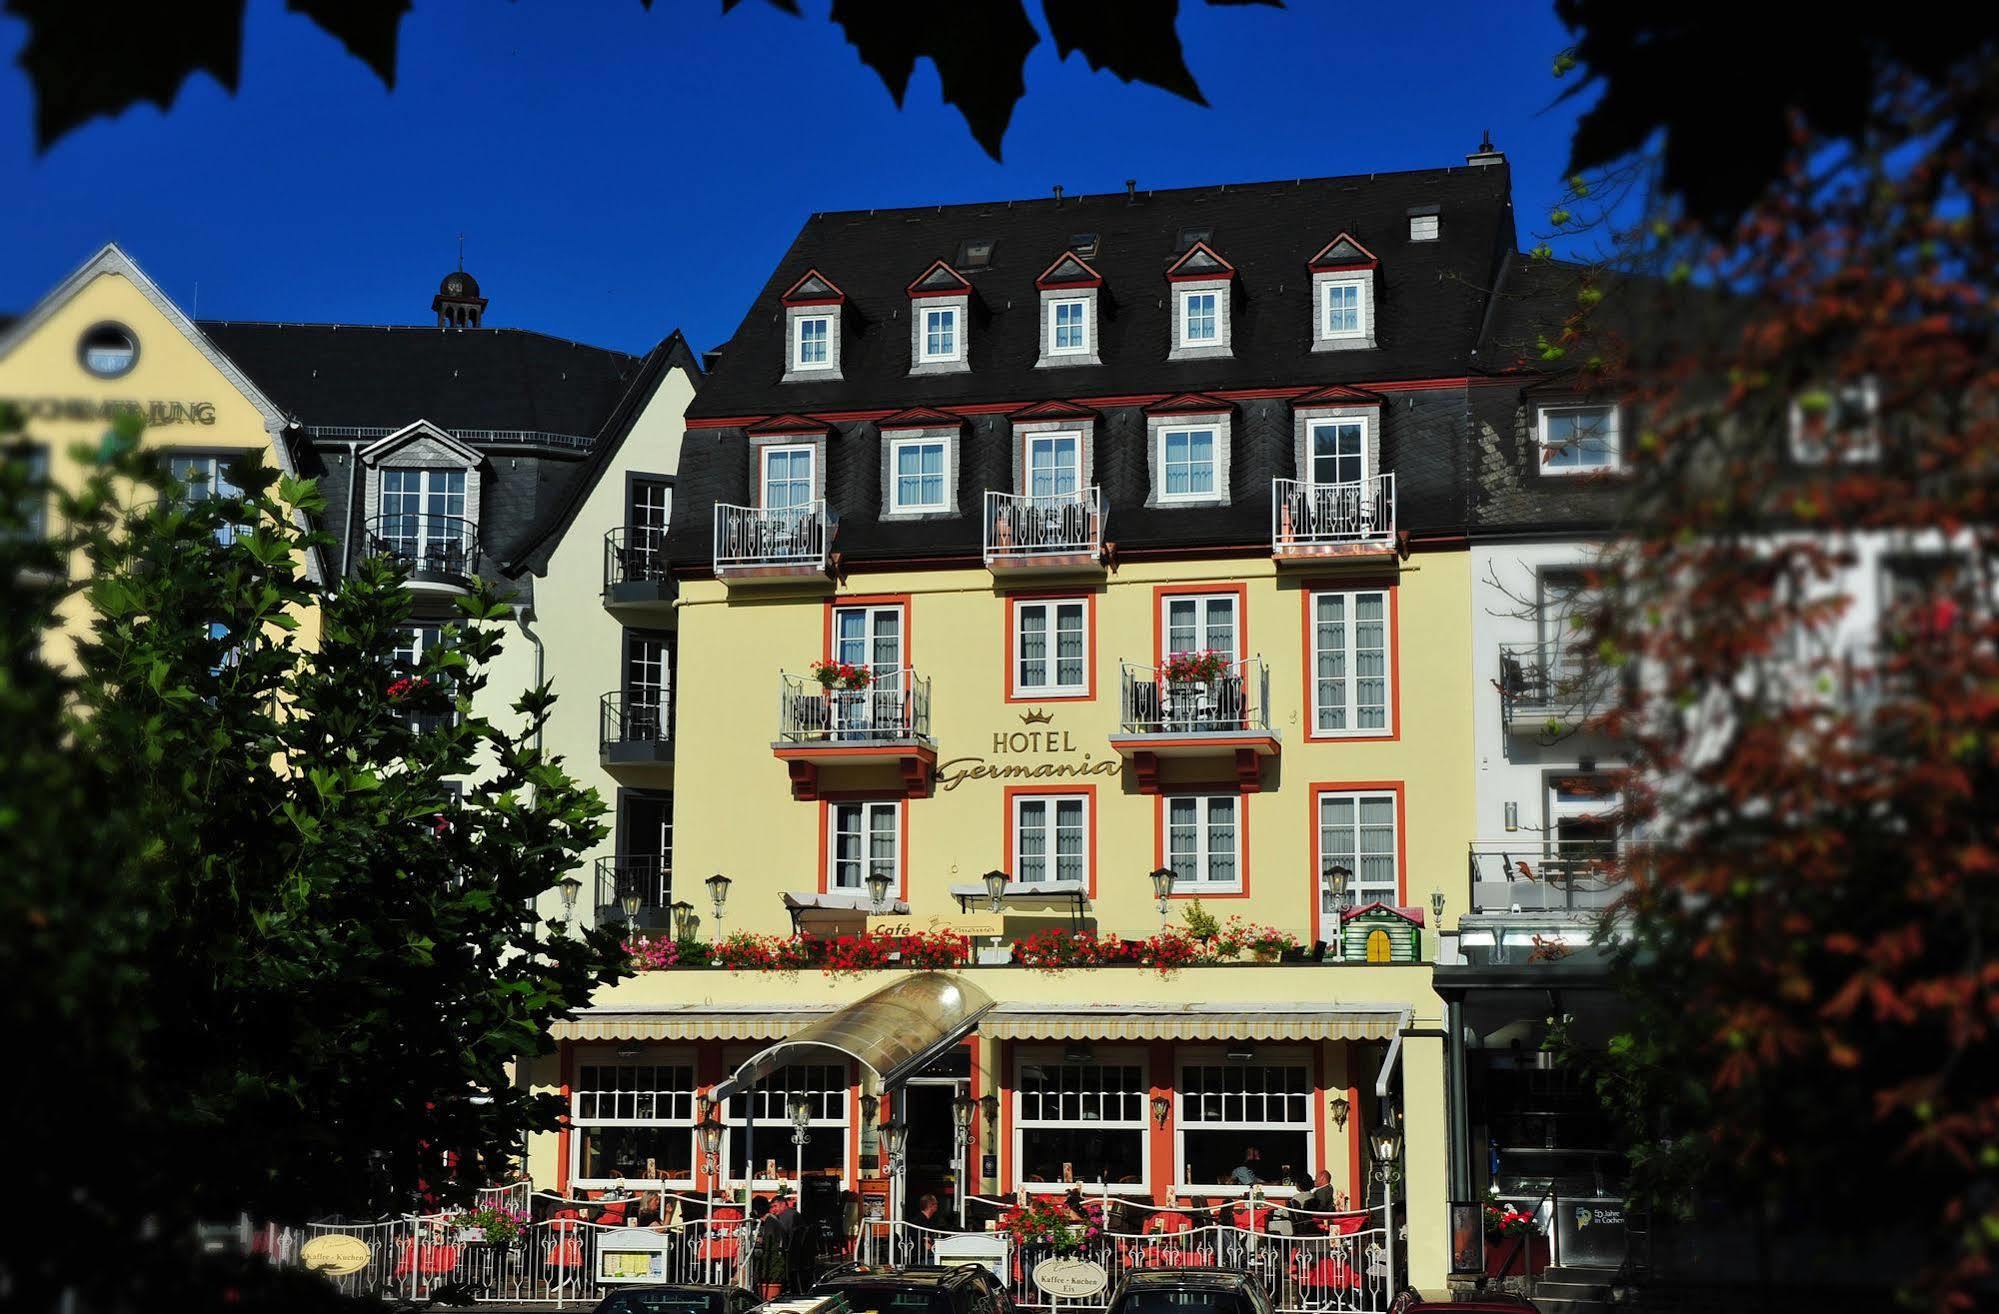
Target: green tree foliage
(260, 957)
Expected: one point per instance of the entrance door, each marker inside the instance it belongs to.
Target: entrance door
(930, 1156)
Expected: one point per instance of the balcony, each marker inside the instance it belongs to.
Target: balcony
(636, 579)
(440, 554)
(1540, 887)
(1550, 688)
(1321, 524)
(1061, 534)
(886, 725)
(1225, 715)
(771, 545)
(648, 877)
(635, 729)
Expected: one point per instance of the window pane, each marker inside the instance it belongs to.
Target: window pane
(1221, 840)
(1070, 641)
(1330, 658)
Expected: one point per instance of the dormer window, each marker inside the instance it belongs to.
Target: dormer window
(1189, 455)
(812, 328)
(811, 343)
(1199, 319)
(1343, 296)
(1068, 327)
(1201, 281)
(1069, 307)
(940, 302)
(1578, 440)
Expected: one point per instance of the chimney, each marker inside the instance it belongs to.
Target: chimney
(1485, 154)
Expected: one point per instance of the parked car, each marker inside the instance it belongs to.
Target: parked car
(918, 1289)
(1483, 1305)
(1189, 1291)
(686, 1298)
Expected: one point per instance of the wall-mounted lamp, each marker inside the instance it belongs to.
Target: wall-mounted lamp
(995, 890)
(568, 887)
(1340, 1107)
(878, 883)
(990, 1103)
(871, 1109)
(1162, 890)
(1512, 817)
(1161, 1108)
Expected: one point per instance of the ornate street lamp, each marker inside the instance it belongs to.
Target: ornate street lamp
(801, 1136)
(1341, 1108)
(1436, 908)
(1337, 878)
(1162, 1108)
(630, 900)
(1384, 1146)
(962, 1110)
(711, 1159)
(995, 890)
(683, 919)
(895, 1139)
(878, 883)
(718, 893)
(1162, 890)
(568, 887)
(990, 1105)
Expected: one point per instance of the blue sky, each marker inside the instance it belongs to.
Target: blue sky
(619, 172)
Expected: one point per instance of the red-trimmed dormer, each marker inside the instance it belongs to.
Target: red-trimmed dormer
(1070, 304)
(940, 321)
(1343, 317)
(812, 339)
(1201, 325)
(814, 289)
(1343, 252)
(940, 280)
(1200, 261)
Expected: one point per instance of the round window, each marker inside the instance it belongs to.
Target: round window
(108, 350)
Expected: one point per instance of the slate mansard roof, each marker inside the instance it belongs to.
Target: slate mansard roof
(1431, 296)
(1453, 385)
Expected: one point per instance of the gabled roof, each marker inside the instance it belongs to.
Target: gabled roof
(1337, 394)
(409, 433)
(814, 289)
(1413, 916)
(1190, 403)
(1343, 252)
(111, 259)
(1069, 270)
(789, 424)
(1200, 261)
(920, 417)
(940, 280)
(1053, 410)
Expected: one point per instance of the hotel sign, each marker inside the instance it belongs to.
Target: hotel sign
(1009, 746)
(85, 409)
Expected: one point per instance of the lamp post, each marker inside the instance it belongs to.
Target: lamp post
(1384, 1146)
(711, 1161)
(718, 893)
(630, 900)
(1162, 890)
(1337, 878)
(878, 883)
(895, 1137)
(683, 919)
(801, 1135)
(962, 1110)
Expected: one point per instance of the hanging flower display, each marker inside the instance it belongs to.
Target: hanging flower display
(1195, 667)
(842, 675)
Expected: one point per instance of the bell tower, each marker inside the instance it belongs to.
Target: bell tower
(458, 303)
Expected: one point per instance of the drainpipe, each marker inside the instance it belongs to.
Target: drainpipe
(540, 663)
(347, 521)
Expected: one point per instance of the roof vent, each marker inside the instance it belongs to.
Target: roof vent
(1485, 154)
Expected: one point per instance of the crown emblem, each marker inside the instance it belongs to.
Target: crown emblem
(1036, 716)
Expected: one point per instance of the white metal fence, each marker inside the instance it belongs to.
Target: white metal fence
(1020, 527)
(748, 536)
(1306, 515)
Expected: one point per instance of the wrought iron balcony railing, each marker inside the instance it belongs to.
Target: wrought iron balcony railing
(1020, 528)
(1305, 516)
(429, 548)
(1553, 681)
(635, 717)
(1545, 874)
(748, 537)
(649, 877)
(1236, 698)
(635, 554)
(895, 706)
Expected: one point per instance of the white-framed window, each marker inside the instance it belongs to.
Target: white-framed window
(825, 1090)
(921, 474)
(1343, 308)
(633, 1121)
(1201, 622)
(1189, 463)
(1054, 464)
(1583, 814)
(1051, 645)
(1051, 838)
(1081, 1117)
(864, 838)
(1200, 319)
(1243, 1123)
(1841, 423)
(1204, 842)
(1352, 667)
(423, 514)
(1578, 439)
(202, 475)
(1069, 326)
(1336, 451)
(33, 507)
(940, 335)
(1424, 227)
(812, 342)
(787, 476)
(870, 636)
(1357, 831)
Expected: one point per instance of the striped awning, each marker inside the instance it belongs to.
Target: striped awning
(1191, 1022)
(686, 1023)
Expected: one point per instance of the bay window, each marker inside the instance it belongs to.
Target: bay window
(1254, 1115)
(1080, 1119)
(824, 1088)
(632, 1121)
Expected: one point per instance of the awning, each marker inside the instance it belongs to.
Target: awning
(893, 1032)
(1022, 1021)
(686, 1022)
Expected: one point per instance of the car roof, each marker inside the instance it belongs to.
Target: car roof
(1519, 1306)
(916, 1275)
(702, 1288)
(1217, 1279)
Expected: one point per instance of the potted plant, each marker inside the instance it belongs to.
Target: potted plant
(842, 675)
(1201, 923)
(1197, 668)
(1514, 1243)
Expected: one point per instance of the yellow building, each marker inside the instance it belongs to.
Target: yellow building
(1114, 546)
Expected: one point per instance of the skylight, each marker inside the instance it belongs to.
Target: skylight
(1189, 236)
(1084, 245)
(974, 253)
